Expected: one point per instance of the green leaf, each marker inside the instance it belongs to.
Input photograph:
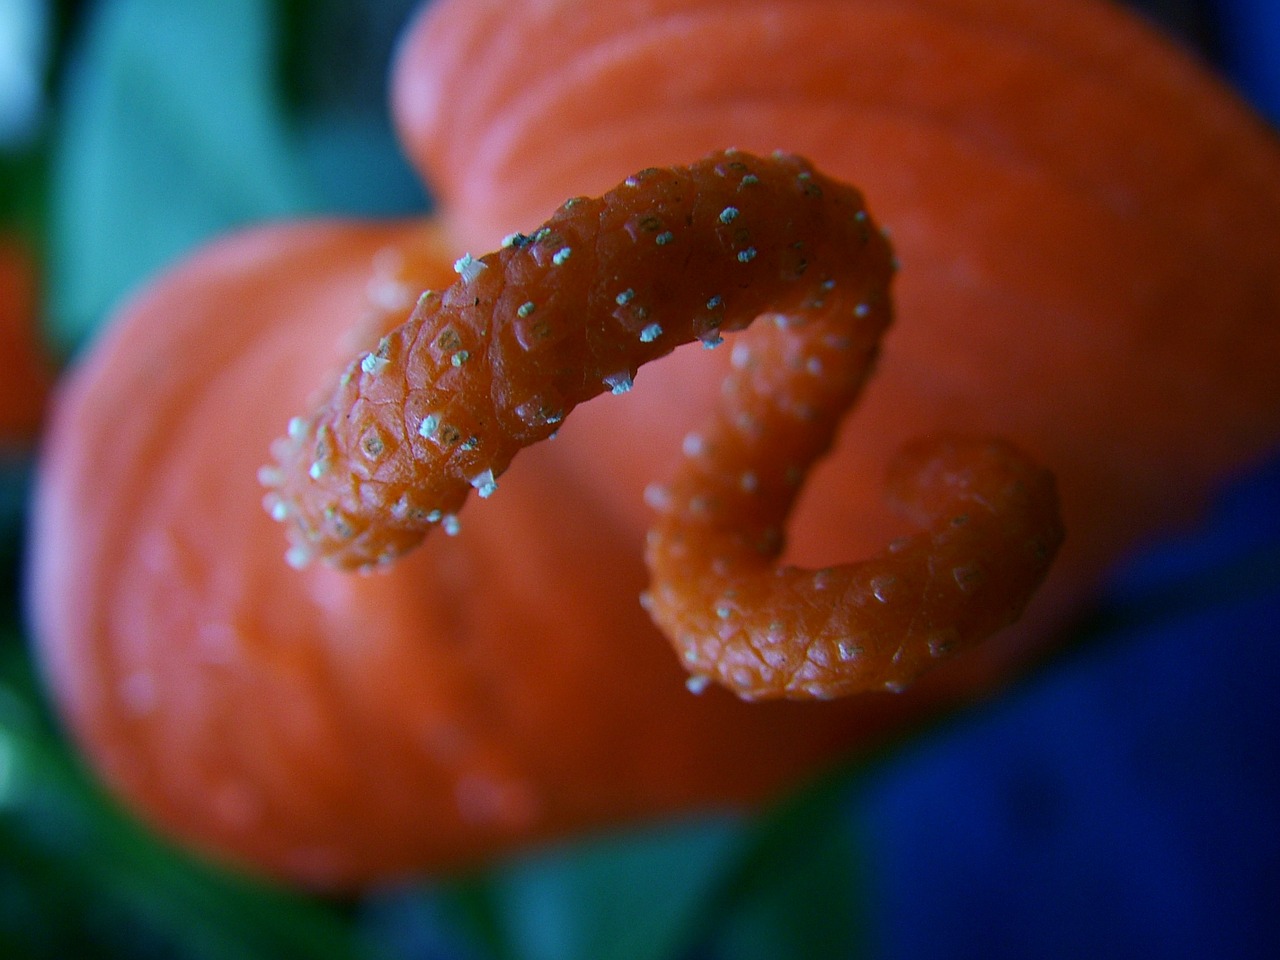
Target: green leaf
(796, 886)
(633, 897)
(807, 902)
(171, 131)
(24, 190)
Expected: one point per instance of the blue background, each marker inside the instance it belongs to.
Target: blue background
(1125, 803)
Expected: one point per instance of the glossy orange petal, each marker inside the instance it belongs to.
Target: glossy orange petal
(493, 688)
(1087, 225)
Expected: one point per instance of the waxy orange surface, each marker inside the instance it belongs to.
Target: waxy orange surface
(1087, 226)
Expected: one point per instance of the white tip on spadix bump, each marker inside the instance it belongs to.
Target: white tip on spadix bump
(485, 484)
(468, 267)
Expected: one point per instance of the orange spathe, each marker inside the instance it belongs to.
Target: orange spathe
(1087, 225)
(491, 688)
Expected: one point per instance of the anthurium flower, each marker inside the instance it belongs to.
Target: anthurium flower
(1086, 224)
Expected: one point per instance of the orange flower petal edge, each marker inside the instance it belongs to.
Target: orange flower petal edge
(498, 361)
(28, 372)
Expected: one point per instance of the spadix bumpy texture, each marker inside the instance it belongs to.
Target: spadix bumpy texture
(497, 361)
(768, 631)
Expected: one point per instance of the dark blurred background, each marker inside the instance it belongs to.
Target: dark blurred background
(1121, 802)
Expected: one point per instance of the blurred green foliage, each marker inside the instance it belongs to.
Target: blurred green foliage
(169, 131)
(180, 121)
